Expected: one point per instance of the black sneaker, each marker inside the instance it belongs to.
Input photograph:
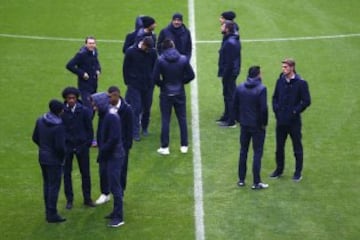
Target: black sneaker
(259, 186)
(69, 205)
(275, 175)
(116, 223)
(55, 219)
(227, 124)
(221, 119)
(297, 178)
(89, 203)
(241, 183)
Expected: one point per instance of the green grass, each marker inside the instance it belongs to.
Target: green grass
(159, 202)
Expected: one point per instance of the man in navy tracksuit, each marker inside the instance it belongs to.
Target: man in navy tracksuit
(49, 135)
(125, 112)
(172, 71)
(137, 72)
(86, 66)
(147, 30)
(111, 153)
(291, 97)
(179, 34)
(251, 111)
(130, 37)
(79, 134)
(229, 69)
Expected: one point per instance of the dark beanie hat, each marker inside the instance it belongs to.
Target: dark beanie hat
(56, 106)
(70, 90)
(147, 21)
(229, 15)
(254, 71)
(177, 16)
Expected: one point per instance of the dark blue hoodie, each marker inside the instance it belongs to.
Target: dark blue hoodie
(49, 135)
(130, 37)
(172, 71)
(250, 104)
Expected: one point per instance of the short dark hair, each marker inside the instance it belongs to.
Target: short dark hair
(89, 37)
(254, 71)
(230, 26)
(113, 89)
(148, 41)
(167, 43)
(70, 90)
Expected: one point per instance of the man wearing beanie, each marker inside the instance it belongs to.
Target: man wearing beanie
(229, 69)
(49, 136)
(77, 120)
(147, 30)
(179, 34)
(251, 111)
(229, 16)
(137, 73)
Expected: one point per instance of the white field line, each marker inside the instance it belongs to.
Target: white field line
(350, 35)
(195, 127)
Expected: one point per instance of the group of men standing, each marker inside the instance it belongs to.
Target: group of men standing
(66, 130)
(247, 104)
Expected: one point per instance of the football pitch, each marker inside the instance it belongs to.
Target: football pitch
(194, 195)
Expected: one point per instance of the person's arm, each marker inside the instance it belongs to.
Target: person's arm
(127, 66)
(236, 105)
(189, 74)
(156, 74)
(111, 125)
(188, 47)
(128, 131)
(229, 58)
(264, 115)
(73, 65)
(275, 97)
(305, 100)
(59, 141)
(160, 41)
(35, 135)
(88, 126)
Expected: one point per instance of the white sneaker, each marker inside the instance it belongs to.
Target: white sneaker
(102, 199)
(164, 151)
(184, 149)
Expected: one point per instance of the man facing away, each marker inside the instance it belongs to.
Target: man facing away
(49, 136)
(291, 97)
(251, 111)
(77, 120)
(172, 71)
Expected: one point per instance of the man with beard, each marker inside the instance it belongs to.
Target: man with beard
(179, 34)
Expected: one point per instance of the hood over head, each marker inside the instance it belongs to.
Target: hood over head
(101, 101)
(171, 55)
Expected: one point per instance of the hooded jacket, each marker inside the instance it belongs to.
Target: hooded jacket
(172, 71)
(180, 36)
(130, 37)
(101, 101)
(138, 67)
(230, 57)
(290, 99)
(78, 126)
(250, 104)
(49, 135)
(85, 61)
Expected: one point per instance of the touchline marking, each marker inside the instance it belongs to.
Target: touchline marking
(195, 127)
(350, 35)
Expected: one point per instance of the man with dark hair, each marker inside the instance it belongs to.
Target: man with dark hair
(172, 71)
(49, 136)
(147, 30)
(86, 66)
(111, 153)
(137, 72)
(130, 37)
(251, 111)
(229, 16)
(229, 69)
(291, 97)
(77, 120)
(179, 34)
(119, 105)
